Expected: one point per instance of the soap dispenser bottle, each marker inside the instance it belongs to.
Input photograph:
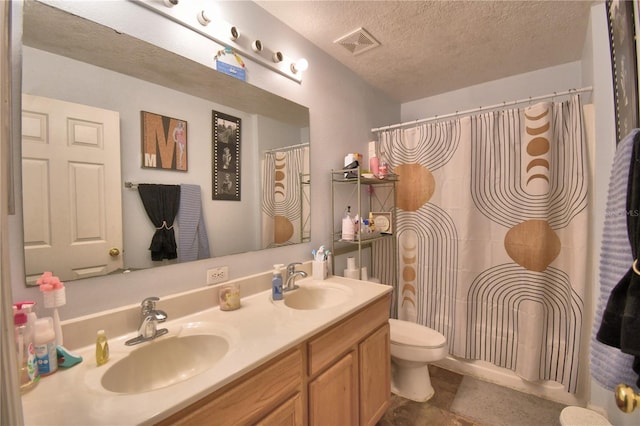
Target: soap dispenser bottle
(276, 282)
(102, 348)
(28, 372)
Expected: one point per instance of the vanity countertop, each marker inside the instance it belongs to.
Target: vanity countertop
(257, 332)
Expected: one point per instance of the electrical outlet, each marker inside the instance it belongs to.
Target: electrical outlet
(218, 275)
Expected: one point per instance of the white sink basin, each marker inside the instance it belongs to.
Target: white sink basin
(164, 362)
(316, 295)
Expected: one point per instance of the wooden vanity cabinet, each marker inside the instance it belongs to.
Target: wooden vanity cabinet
(272, 395)
(349, 369)
(339, 377)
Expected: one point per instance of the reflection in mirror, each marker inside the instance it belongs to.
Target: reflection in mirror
(96, 82)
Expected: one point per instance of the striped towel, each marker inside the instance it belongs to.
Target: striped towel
(609, 365)
(193, 243)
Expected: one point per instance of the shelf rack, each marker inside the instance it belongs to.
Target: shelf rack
(380, 198)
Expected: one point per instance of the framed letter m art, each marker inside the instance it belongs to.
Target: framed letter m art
(164, 142)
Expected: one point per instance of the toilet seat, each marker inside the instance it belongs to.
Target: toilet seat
(578, 416)
(410, 334)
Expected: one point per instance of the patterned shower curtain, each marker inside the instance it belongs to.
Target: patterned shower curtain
(283, 207)
(492, 235)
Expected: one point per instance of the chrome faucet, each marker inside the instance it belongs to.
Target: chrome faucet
(292, 274)
(150, 317)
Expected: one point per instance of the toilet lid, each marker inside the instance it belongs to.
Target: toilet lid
(578, 416)
(409, 333)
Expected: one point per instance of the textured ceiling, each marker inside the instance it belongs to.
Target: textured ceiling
(432, 47)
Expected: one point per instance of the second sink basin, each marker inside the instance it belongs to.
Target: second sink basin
(164, 362)
(316, 295)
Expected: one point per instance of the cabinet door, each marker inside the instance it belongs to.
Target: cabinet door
(288, 414)
(333, 395)
(375, 376)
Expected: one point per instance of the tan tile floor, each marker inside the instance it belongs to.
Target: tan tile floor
(404, 412)
(514, 408)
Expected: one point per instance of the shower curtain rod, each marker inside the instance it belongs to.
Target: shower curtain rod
(286, 148)
(469, 111)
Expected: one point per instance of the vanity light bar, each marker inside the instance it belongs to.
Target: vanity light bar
(227, 35)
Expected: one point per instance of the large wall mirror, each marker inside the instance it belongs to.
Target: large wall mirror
(86, 86)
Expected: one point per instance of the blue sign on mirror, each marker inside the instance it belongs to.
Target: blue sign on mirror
(233, 71)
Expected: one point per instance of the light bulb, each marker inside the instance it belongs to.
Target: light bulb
(256, 46)
(204, 18)
(234, 33)
(299, 66)
(277, 57)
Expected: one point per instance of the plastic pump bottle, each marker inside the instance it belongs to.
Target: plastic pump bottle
(28, 372)
(276, 282)
(102, 348)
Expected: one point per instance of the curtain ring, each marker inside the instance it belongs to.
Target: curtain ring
(635, 267)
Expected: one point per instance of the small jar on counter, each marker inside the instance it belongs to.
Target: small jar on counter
(229, 297)
(383, 170)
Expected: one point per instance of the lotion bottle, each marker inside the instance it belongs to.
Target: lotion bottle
(276, 282)
(45, 346)
(102, 348)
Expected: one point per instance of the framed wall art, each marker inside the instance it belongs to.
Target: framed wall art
(164, 142)
(226, 157)
(623, 58)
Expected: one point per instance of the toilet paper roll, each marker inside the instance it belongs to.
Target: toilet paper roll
(364, 276)
(351, 264)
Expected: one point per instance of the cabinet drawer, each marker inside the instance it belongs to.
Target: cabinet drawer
(243, 401)
(289, 413)
(334, 342)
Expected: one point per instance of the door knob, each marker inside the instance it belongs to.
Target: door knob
(114, 252)
(626, 399)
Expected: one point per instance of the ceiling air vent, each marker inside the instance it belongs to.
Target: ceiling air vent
(358, 41)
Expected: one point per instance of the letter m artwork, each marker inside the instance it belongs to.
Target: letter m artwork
(164, 142)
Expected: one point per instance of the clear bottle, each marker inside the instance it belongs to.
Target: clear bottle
(102, 348)
(276, 282)
(28, 373)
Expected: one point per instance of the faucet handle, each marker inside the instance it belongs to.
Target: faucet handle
(291, 268)
(149, 304)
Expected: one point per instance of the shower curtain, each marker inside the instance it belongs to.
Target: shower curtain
(492, 235)
(283, 209)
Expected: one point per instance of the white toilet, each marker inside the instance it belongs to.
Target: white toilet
(578, 416)
(412, 347)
